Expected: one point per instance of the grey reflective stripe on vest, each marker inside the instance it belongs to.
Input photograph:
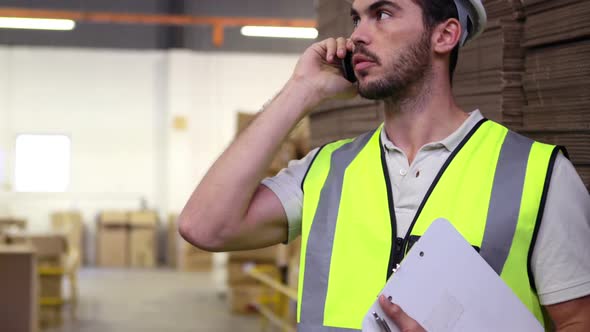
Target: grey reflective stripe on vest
(505, 200)
(321, 238)
(302, 327)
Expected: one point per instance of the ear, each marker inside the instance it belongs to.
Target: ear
(446, 36)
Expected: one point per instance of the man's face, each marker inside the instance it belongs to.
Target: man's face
(392, 47)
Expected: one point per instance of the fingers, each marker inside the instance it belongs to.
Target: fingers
(330, 49)
(341, 47)
(349, 45)
(336, 48)
(401, 319)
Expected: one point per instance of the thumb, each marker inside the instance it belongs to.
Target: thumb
(404, 322)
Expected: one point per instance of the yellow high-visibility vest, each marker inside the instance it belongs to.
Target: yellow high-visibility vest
(492, 188)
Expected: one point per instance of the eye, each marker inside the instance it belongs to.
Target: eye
(355, 21)
(381, 15)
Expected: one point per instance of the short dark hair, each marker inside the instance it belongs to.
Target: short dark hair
(435, 12)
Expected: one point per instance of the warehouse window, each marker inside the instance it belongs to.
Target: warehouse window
(42, 163)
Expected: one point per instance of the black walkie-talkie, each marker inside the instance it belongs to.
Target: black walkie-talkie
(347, 69)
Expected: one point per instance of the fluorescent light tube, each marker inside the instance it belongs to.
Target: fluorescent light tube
(279, 32)
(36, 23)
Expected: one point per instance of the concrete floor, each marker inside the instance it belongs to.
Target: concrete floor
(153, 300)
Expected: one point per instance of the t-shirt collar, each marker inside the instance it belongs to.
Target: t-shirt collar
(450, 142)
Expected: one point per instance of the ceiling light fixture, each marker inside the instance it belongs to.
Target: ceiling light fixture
(36, 23)
(279, 32)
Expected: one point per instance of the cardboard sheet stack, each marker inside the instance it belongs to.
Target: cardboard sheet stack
(339, 119)
(489, 73)
(555, 21)
(556, 84)
(333, 18)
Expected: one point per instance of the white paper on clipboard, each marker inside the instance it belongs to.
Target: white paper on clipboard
(445, 285)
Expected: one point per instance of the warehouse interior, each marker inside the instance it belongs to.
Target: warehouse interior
(106, 129)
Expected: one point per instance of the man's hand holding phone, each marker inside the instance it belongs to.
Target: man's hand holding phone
(321, 68)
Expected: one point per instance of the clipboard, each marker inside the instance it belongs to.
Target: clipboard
(445, 285)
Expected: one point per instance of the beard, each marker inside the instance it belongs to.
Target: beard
(411, 66)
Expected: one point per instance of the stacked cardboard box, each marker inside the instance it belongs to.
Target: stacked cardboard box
(280, 262)
(71, 224)
(557, 40)
(7, 224)
(489, 73)
(50, 250)
(142, 238)
(191, 258)
(172, 240)
(244, 290)
(19, 288)
(49, 246)
(112, 239)
(127, 238)
(264, 255)
(243, 297)
(184, 255)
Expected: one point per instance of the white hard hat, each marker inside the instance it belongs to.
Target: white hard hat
(473, 18)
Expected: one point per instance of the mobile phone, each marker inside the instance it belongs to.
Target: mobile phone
(347, 69)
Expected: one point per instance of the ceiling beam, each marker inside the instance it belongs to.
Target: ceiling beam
(172, 35)
(217, 22)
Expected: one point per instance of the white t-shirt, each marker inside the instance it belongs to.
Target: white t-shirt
(561, 257)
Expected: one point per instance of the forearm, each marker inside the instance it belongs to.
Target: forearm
(222, 198)
(576, 323)
(572, 328)
(572, 315)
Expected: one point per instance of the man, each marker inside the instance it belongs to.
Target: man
(359, 204)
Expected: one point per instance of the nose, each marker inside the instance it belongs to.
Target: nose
(361, 34)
